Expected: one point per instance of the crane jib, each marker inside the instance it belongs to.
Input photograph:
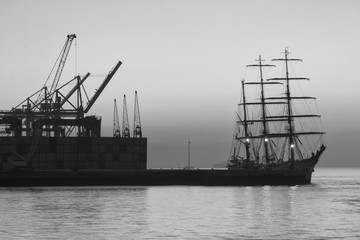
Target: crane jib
(102, 87)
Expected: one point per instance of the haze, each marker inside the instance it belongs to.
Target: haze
(186, 60)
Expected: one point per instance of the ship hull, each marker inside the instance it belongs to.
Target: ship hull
(200, 177)
(297, 174)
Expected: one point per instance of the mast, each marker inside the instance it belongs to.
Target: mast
(288, 95)
(247, 140)
(288, 99)
(262, 98)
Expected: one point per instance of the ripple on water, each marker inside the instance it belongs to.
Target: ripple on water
(327, 209)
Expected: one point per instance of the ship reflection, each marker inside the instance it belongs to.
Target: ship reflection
(265, 209)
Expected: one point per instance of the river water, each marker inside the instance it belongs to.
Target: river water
(327, 209)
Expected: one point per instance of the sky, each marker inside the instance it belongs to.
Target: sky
(186, 59)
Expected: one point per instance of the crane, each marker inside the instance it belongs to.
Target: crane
(64, 54)
(137, 122)
(53, 113)
(125, 122)
(44, 93)
(116, 126)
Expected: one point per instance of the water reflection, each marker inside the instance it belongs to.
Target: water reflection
(327, 209)
(67, 212)
(264, 210)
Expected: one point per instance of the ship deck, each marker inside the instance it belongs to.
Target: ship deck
(155, 177)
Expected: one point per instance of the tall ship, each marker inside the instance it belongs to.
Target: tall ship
(276, 130)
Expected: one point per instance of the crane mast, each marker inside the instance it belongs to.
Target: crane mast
(137, 122)
(125, 122)
(116, 126)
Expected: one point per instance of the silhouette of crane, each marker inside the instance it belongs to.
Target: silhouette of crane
(125, 122)
(137, 122)
(116, 126)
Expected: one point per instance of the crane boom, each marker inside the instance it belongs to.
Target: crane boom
(60, 68)
(102, 86)
(78, 84)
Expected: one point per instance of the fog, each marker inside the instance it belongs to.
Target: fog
(186, 60)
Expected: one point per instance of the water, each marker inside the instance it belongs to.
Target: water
(327, 209)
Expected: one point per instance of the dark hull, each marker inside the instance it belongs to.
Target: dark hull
(297, 173)
(201, 177)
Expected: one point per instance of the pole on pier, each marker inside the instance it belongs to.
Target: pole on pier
(189, 153)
